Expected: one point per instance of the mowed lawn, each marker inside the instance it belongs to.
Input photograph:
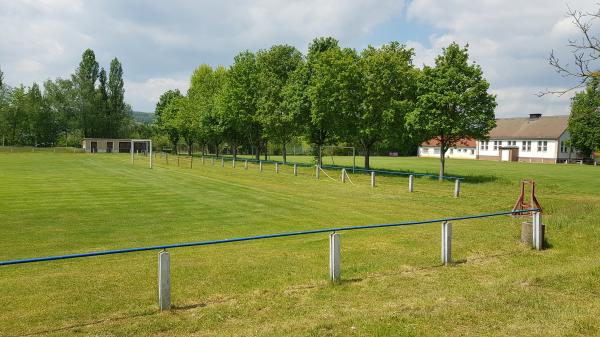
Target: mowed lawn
(393, 282)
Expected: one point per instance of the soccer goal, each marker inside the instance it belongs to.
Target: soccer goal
(338, 156)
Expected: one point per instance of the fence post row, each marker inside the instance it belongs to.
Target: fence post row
(334, 257)
(164, 280)
(457, 188)
(446, 243)
(411, 183)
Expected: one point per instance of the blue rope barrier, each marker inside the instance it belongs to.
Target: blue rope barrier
(258, 237)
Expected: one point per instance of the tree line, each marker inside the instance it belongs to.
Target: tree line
(331, 95)
(89, 104)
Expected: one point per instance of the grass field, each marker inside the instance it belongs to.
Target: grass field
(394, 285)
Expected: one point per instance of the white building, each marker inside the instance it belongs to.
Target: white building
(109, 145)
(533, 139)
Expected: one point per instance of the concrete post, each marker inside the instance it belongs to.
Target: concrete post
(151, 154)
(411, 183)
(295, 169)
(317, 171)
(164, 280)
(276, 167)
(245, 164)
(222, 162)
(372, 179)
(538, 237)
(334, 257)
(260, 166)
(131, 150)
(446, 243)
(233, 163)
(343, 175)
(457, 188)
(212, 161)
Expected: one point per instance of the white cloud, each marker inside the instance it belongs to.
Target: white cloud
(146, 93)
(511, 40)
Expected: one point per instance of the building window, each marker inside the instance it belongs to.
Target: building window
(512, 143)
(484, 145)
(526, 146)
(542, 146)
(496, 144)
(563, 147)
(472, 151)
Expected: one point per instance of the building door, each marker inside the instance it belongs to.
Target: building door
(124, 147)
(94, 146)
(109, 147)
(505, 154)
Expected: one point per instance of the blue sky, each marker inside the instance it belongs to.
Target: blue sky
(161, 42)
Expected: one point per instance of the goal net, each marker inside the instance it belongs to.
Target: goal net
(338, 156)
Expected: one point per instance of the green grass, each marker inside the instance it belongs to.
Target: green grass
(59, 203)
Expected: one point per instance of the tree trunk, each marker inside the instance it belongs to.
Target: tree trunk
(442, 163)
(367, 158)
(234, 150)
(284, 153)
(190, 148)
(216, 149)
(266, 151)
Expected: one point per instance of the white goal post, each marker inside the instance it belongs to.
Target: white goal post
(333, 147)
(147, 141)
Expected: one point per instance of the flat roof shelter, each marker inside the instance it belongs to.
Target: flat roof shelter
(114, 145)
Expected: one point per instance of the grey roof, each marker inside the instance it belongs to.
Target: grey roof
(545, 127)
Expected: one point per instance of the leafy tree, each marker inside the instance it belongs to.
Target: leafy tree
(388, 93)
(333, 92)
(166, 113)
(42, 122)
(60, 96)
(103, 119)
(584, 121)
(119, 113)
(16, 116)
(4, 100)
(453, 101)
(275, 66)
(237, 102)
(84, 81)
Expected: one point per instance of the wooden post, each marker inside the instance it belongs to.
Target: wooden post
(164, 280)
(457, 188)
(411, 183)
(334, 257)
(295, 168)
(177, 160)
(373, 179)
(446, 243)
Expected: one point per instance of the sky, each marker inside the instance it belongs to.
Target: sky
(160, 43)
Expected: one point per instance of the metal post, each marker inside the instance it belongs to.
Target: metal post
(295, 169)
(538, 238)
(151, 153)
(260, 166)
(446, 243)
(353, 160)
(343, 175)
(164, 280)
(411, 183)
(334, 257)
(276, 167)
(245, 164)
(131, 151)
(457, 188)
(317, 171)
(373, 179)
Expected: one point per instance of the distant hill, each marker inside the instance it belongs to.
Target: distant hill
(143, 117)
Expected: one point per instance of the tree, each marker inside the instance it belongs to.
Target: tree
(4, 99)
(453, 101)
(16, 115)
(585, 49)
(166, 114)
(237, 102)
(60, 96)
(119, 115)
(388, 94)
(584, 121)
(42, 122)
(275, 66)
(206, 84)
(103, 113)
(332, 92)
(84, 81)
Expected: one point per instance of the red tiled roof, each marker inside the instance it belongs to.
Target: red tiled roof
(467, 142)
